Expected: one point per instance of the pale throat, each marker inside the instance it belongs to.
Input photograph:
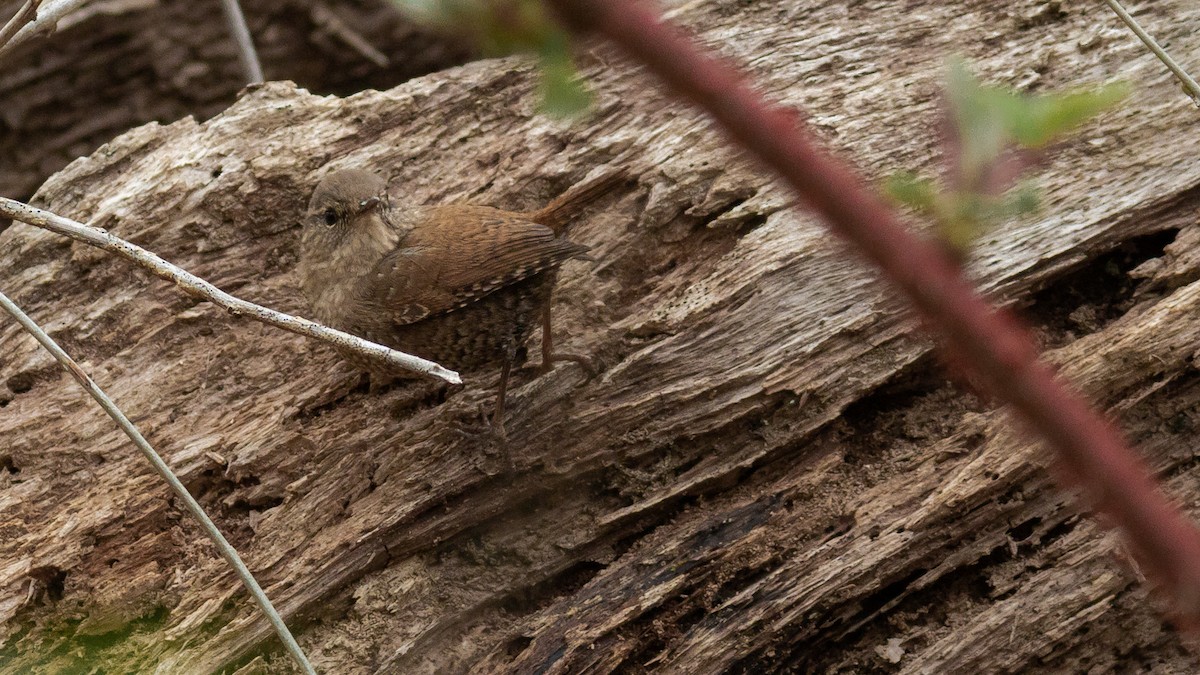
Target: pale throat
(329, 281)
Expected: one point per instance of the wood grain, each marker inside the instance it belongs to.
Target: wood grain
(770, 474)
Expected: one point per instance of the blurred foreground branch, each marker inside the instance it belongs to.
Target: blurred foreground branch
(996, 348)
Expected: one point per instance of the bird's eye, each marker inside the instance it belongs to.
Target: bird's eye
(330, 216)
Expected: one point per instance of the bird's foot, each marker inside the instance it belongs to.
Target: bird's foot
(486, 426)
(587, 363)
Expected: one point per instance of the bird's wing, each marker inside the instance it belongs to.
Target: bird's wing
(452, 259)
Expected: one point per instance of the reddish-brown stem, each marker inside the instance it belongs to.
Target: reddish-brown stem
(993, 343)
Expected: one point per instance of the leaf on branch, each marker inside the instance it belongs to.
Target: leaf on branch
(1048, 117)
(912, 190)
(992, 117)
(994, 135)
(564, 93)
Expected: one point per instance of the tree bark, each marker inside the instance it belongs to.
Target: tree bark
(771, 472)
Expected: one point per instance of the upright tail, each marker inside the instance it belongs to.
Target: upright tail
(558, 212)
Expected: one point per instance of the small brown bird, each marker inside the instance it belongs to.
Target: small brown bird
(459, 284)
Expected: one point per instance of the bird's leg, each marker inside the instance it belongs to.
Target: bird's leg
(548, 354)
(498, 433)
(498, 416)
(494, 428)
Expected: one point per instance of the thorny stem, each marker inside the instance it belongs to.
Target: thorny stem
(227, 551)
(993, 343)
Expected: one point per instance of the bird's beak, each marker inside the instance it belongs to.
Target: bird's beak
(368, 204)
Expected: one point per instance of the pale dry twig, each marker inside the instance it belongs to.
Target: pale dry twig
(241, 34)
(199, 287)
(24, 15)
(227, 551)
(1189, 85)
(326, 18)
(46, 21)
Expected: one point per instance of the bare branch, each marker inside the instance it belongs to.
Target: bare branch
(24, 14)
(241, 34)
(45, 22)
(329, 20)
(199, 287)
(1189, 85)
(227, 551)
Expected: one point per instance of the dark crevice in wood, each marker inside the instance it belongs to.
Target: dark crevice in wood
(913, 409)
(1022, 531)
(52, 579)
(881, 614)
(20, 383)
(1095, 294)
(524, 600)
(1057, 530)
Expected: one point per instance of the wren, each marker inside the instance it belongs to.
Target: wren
(459, 284)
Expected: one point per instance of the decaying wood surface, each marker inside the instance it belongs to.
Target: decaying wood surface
(771, 472)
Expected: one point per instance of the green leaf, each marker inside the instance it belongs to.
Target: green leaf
(959, 217)
(564, 93)
(912, 190)
(979, 115)
(990, 119)
(1023, 200)
(991, 126)
(1048, 117)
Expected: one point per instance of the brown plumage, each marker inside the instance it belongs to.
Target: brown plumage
(459, 284)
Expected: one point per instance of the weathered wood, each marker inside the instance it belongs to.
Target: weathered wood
(769, 473)
(116, 64)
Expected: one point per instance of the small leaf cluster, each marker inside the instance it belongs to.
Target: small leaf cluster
(993, 136)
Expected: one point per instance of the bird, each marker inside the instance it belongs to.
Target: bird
(460, 284)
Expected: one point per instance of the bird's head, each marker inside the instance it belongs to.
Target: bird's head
(342, 199)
